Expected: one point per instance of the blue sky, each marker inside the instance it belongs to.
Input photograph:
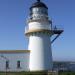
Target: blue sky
(13, 15)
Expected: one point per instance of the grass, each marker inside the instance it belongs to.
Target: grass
(23, 73)
(66, 73)
(35, 73)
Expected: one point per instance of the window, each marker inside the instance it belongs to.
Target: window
(7, 64)
(18, 64)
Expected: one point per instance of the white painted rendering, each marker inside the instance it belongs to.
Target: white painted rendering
(41, 55)
(39, 25)
(39, 42)
(13, 58)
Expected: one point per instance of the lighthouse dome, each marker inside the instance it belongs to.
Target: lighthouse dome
(38, 4)
(38, 10)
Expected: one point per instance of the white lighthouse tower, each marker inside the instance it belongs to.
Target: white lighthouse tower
(39, 32)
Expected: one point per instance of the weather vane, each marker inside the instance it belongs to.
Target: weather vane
(38, 0)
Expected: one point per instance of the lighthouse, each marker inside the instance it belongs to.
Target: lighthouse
(39, 32)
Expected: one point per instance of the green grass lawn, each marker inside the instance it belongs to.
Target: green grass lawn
(23, 73)
(34, 73)
(66, 73)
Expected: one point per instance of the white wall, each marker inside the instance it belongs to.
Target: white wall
(41, 55)
(38, 25)
(13, 58)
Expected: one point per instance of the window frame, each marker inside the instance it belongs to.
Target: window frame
(18, 64)
(7, 64)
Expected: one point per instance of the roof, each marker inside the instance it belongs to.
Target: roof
(14, 51)
(38, 4)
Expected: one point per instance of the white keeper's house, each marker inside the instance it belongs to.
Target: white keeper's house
(39, 31)
(14, 60)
